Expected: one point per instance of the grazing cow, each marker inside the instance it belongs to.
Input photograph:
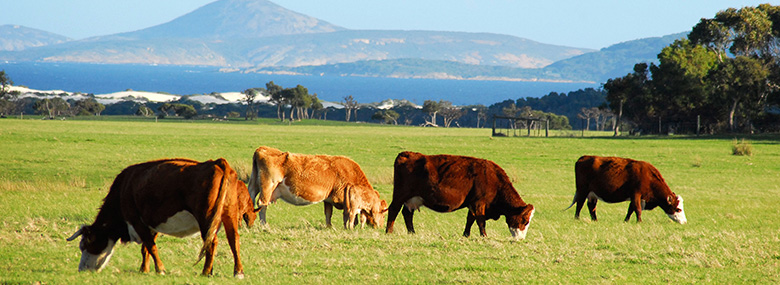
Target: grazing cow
(301, 179)
(445, 183)
(177, 197)
(616, 179)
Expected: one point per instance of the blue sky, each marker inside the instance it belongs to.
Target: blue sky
(578, 23)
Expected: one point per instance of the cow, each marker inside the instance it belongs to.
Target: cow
(445, 183)
(177, 197)
(616, 179)
(301, 179)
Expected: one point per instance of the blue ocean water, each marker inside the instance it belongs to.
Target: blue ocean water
(189, 80)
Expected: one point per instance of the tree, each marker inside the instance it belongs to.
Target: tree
(630, 93)
(249, 98)
(678, 82)
(5, 84)
(349, 105)
(50, 107)
(300, 101)
(7, 99)
(386, 116)
(450, 113)
(275, 97)
(316, 106)
(740, 81)
(144, 111)
(88, 106)
(431, 107)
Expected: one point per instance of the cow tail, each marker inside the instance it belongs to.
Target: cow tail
(572, 204)
(215, 220)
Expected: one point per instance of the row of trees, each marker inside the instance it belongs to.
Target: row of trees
(298, 98)
(725, 75)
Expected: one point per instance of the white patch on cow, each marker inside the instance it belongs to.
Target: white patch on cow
(519, 234)
(133, 234)
(98, 261)
(414, 203)
(679, 217)
(643, 204)
(182, 224)
(283, 191)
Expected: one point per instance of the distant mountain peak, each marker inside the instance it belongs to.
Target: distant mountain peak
(236, 19)
(16, 37)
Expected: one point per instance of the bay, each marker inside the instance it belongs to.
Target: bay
(191, 80)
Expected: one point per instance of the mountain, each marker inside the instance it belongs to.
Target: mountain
(14, 38)
(613, 61)
(233, 19)
(247, 33)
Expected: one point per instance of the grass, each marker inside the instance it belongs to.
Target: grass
(55, 174)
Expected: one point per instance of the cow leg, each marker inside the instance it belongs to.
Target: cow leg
(408, 219)
(592, 207)
(145, 257)
(231, 232)
(479, 215)
(349, 219)
(635, 206)
(261, 215)
(328, 213)
(363, 219)
(469, 222)
(209, 265)
(580, 200)
(149, 247)
(392, 213)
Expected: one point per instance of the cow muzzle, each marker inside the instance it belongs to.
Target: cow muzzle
(96, 262)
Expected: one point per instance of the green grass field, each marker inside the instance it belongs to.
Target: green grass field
(54, 175)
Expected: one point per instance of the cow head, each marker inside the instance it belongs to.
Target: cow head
(266, 174)
(245, 207)
(96, 248)
(377, 214)
(676, 210)
(519, 221)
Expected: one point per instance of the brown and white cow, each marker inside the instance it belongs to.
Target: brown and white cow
(177, 197)
(445, 183)
(616, 179)
(301, 179)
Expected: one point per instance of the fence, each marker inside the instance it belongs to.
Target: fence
(503, 126)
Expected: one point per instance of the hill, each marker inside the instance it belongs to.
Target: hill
(613, 61)
(598, 66)
(247, 33)
(14, 38)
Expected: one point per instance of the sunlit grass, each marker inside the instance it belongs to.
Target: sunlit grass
(55, 174)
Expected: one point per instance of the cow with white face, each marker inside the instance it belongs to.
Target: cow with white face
(177, 197)
(617, 179)
(446, 183)
(301, 179)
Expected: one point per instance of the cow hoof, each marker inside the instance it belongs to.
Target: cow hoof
(239, 275)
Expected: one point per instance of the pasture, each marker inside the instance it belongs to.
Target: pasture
(54, 175)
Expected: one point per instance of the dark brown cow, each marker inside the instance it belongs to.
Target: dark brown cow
(445, 183)
(616, 179)
(178, 197)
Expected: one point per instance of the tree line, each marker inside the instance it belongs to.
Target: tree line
(296, 103)
(724, 77)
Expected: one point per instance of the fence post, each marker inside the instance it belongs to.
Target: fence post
(698, 124)
(494, 126)
(547, 128)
